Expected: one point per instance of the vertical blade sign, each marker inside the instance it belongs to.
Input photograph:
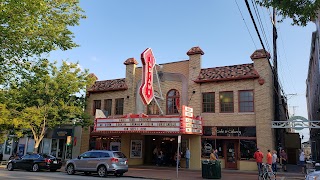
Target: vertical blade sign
(146, 88)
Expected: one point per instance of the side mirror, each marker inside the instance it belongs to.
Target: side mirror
(79, 157)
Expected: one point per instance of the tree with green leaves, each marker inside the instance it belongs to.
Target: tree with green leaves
(47, 96)
(300, 11)
(4, 123)
(29, 28)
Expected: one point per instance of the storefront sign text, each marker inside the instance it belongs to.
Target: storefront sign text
(178, 125)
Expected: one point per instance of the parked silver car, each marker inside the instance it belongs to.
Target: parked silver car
(100, 161)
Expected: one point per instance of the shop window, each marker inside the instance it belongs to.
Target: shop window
(108, 106)
(226, 102)
(119, 106)
(248, 131)
(92, 143)
(207, 130)
(207, 145)
(219, 146)
(112, 143)
(246, 101)
(153, 108)
(247, 149)
(173, 102)
(208, 102)
(96, 105)
(8, 146)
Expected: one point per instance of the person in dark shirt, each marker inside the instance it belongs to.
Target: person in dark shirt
(284, 159)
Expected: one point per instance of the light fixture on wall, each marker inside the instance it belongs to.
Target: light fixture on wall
(128, 97)
(193, 91)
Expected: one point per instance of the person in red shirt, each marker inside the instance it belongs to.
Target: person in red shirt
(269, 160)
(258, 155)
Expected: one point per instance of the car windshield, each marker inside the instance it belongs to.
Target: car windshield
(119, 155)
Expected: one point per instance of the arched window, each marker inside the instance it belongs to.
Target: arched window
(173, 102)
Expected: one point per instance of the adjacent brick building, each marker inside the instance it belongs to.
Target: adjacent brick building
(235, 103)
(313, 90)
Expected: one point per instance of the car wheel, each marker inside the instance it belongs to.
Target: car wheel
(118, 174)
(10, 167)
(70, 169)
(53, 170)
(87, 173)
(35, 167)
(102, 171)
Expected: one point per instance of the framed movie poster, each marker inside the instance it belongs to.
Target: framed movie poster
(136, 149)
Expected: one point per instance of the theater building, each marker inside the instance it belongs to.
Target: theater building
(232, 111)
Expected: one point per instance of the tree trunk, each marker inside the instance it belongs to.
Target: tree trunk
(36, 145)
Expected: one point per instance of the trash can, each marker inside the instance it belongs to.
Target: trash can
(211, 169)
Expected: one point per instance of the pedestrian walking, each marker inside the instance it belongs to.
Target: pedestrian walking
(269, 160)
(187, 158)
(177, 158)
(213, 156)
(155, 154)
(216, 153)
(284, 159)
(258, 155)
(302, 159)
(274, 161)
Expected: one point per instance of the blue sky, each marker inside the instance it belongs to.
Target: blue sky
(117, 30)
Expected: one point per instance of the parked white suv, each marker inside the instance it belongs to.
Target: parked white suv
(100, 161)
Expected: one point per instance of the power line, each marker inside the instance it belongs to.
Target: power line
(255, 25)
(260, 24)
(246, 25)
(267, 24)
(278, 92)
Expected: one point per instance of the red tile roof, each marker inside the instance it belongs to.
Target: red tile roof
(130, 61)
(109, 85)
(226, 73)
(195, 50)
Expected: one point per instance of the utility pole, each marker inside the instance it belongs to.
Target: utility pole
(275, 67)
(278, 132)
(294, 110)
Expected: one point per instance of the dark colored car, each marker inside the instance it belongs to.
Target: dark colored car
(35, 162)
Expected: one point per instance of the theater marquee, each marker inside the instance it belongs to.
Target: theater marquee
(154, 125)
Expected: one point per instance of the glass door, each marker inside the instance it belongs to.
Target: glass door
(54, 146)
(61, 149)
(231, 154)
(68, 152)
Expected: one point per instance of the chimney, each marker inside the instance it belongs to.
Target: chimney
(194, 54)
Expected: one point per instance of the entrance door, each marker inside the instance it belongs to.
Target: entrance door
(58, 148)
(231, 154)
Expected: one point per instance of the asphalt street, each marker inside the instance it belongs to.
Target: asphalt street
(45, 175)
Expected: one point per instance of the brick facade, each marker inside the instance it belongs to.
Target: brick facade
(182, 76)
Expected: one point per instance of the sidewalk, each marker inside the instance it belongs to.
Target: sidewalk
(169, 173)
